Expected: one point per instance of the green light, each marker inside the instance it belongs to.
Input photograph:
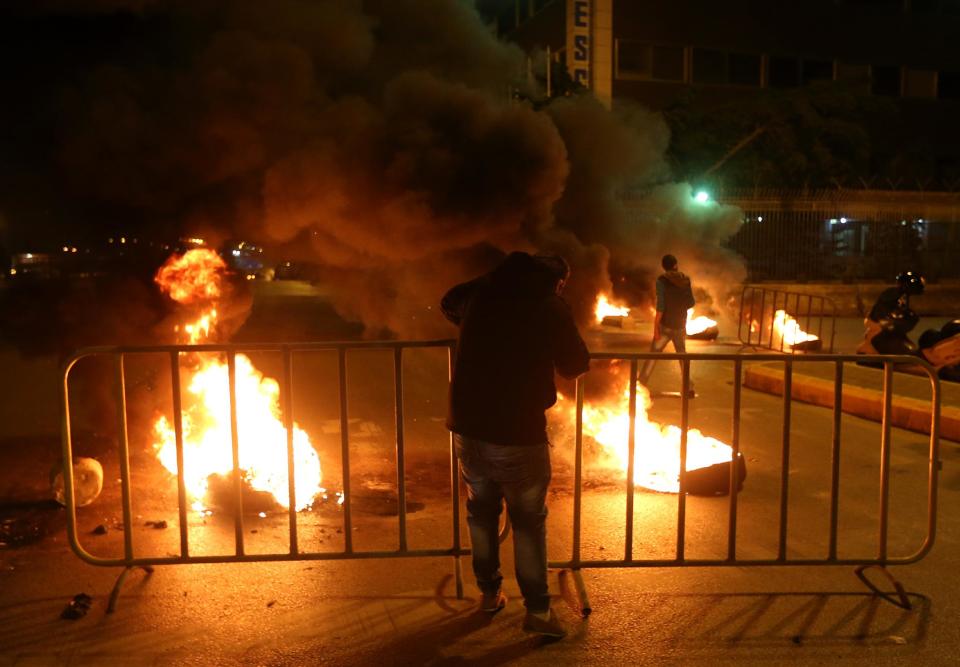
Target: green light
(702, 197)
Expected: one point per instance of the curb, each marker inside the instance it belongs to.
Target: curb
(907, 413)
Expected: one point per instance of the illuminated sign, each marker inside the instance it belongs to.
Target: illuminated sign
(579, 44)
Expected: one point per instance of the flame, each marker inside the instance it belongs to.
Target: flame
(196, 279)
(606, 309)
(656, 446)
(787, 330)
(262, 437)
(193, 277)
(698, 324)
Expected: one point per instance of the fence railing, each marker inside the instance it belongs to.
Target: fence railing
(131, 559)
(775, 319)
(576, 562)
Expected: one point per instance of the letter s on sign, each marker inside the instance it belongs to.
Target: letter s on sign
(580, 47)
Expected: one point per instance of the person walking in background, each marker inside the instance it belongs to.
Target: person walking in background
(674, 299)
(515, 332)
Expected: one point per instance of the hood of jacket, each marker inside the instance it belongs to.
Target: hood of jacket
(521, 276)
(677, 279)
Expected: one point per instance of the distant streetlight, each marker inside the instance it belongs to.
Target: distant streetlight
(702, 197)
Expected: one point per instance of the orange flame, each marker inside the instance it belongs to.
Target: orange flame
(656, 446)
(787, 330)
(698, 324)
(605, 308)
(193, 277)
(262, 437)
(196, 279)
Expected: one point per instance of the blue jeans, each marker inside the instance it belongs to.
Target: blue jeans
(679, 339)
(520, 475)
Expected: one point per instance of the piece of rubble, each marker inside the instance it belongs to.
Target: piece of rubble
(77, 607)
(99, 530)
(157, 524)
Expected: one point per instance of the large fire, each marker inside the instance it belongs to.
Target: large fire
(787, 331)
(605, 308)
(698, 324)
(656, 446)
(196, 279)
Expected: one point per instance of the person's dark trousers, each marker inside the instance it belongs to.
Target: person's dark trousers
(520, 475)
(679, 339)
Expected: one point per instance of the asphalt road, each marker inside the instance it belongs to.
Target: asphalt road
(405, 611)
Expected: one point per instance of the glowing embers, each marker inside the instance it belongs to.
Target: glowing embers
(195, 280)
(656, 447)
(609, 314)
(701, 327)
(787, 334)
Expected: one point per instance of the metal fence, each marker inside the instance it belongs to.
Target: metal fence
(769, 317)
(131, 559)
(575, 562)
(882, 558)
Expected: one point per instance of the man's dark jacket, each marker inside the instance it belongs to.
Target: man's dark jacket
(514, 331)
(677, 299)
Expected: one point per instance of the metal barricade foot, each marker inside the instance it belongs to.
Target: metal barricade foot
(115, 593)
(901, 600)
(579, 603)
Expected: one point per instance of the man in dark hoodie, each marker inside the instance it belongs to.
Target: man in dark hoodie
(674, 298)
(515, 330)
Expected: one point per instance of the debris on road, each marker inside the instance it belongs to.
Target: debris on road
(159, 525)
(77, 607)
(99, 530)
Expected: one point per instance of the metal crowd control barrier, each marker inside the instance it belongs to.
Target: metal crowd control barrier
(576, 562)
(758, 318)
(132, 560)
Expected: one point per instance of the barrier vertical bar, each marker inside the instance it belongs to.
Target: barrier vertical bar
(287, 393)
(743, 311)
(763, 315)
(120, 383)
(67, 462)
(785, 456)
(684, 428)
(783, 324)
(401, 465)
(734, 462)
(345, 450)
(578, 475)
(885, 458)
(833, 324)
(820, 318)
(809, 308)
(835, 458)
(455, 494)
(631, 445)
(178, 438)
(935, 464)
(235, 445)
(759, 320)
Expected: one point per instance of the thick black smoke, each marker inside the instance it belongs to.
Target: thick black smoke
(380, 139)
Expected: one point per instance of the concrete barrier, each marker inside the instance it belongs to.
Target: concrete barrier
(908, 413)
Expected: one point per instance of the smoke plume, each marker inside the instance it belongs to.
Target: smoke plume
(382, 140)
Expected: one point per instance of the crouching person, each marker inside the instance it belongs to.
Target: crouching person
(515, 330)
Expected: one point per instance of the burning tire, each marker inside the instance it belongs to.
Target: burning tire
(714, 480)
